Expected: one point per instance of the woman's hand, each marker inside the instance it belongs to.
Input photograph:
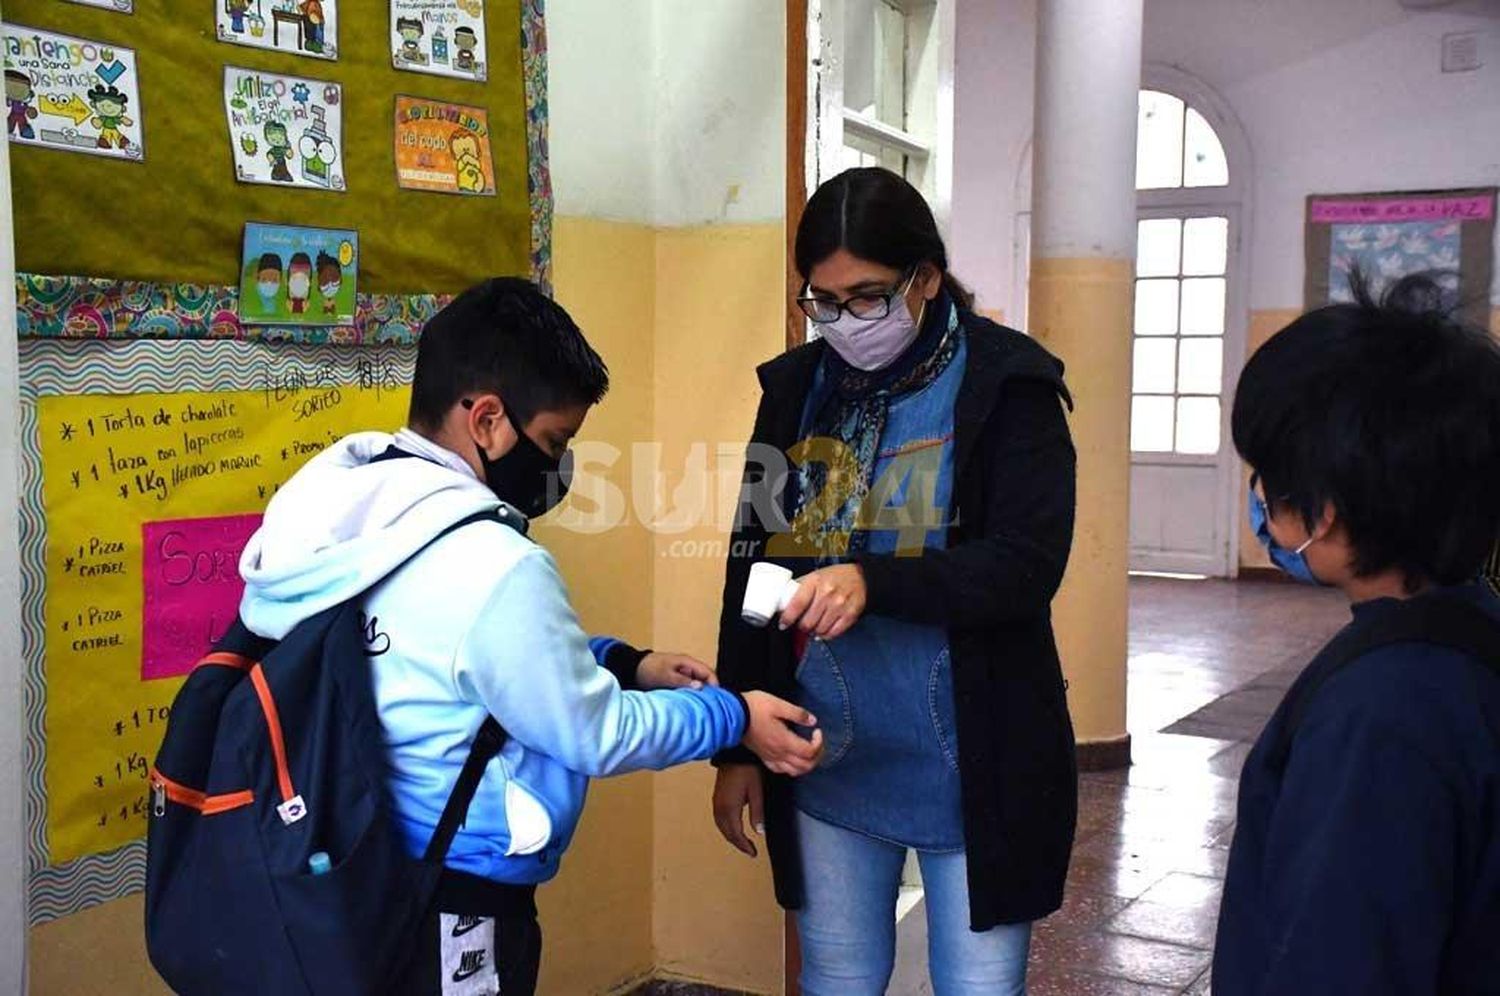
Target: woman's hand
(828, 601)
(737, 787)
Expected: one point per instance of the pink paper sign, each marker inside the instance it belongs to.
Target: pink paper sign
(1398, 209)
(191, 570)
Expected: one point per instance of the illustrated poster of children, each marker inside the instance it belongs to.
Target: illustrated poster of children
(71, 93)
(439, 37)
(300, 27)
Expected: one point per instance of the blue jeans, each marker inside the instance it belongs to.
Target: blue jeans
(847, 925)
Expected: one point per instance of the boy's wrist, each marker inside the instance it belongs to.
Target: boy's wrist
(624, 661)
(745, 707)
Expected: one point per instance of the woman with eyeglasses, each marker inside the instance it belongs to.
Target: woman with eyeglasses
(928, 514)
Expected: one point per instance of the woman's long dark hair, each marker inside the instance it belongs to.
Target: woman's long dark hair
(878, 216)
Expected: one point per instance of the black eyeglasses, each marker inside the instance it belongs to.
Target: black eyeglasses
(865, 307)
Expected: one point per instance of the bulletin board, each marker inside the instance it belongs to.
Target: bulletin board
(177, 215)
(147, 465)
(1448, 233)
(157, 420)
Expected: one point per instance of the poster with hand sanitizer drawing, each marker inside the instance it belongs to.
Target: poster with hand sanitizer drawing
(439, 37)
(299, 27)
(284, 130)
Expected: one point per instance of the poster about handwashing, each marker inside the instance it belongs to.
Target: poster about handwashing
(285, 131)
(70, 93)
(441, 37)
(300, 27)
(298, 276)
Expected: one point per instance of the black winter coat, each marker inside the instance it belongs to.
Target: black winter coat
(992, 588)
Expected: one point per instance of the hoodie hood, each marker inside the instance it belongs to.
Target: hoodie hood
(343, 522)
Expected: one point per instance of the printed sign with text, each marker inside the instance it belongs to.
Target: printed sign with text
(443, 147)
(284, 130)
(298, 276)
(440, 37)
(70, 93)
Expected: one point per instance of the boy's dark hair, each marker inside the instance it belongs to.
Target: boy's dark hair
(105, 92)
(327, 263)
(269, 261)
(409, 22)
(1389, 410)
(877, 216)
(466, 31)
(16, 76)
(505, 337)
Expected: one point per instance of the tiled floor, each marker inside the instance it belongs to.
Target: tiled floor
(1148, 864)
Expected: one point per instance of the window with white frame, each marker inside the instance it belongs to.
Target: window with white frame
(1182, 275)
(881, 71)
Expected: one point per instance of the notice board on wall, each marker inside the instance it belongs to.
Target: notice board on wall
(1449, 234)
(159, 415)
(147, 467)
(176, 214)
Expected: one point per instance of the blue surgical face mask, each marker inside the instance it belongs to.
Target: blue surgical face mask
(1291, 561)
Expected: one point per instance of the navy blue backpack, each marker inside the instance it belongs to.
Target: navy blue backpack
(273, 755)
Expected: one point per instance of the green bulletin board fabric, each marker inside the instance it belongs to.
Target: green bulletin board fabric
(179, 216)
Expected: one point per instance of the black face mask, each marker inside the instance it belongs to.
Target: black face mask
(526, 478)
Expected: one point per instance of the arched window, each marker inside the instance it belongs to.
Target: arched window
(1176, 146)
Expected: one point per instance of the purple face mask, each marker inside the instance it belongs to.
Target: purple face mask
(867, 345)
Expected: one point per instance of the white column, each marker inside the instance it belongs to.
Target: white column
(1088, 74)
(1088, 71)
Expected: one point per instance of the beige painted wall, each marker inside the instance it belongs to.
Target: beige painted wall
(1263, 325)
(720, 313)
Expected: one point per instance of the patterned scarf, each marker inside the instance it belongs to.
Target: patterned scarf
(836, 456)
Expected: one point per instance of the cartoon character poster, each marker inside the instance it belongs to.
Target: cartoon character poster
(301, 27)
(441, 37)
(123, 6)
(70, 93)
(284, 130)
(298, 276)
(443, 147)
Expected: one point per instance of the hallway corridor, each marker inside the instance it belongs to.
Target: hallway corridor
(1209, 661)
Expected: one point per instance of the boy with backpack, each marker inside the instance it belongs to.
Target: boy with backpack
(463, 618)
(1366, 856)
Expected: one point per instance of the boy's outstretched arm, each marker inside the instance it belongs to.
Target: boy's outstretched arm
(527, 661)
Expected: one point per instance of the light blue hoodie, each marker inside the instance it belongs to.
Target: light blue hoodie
(478, 623)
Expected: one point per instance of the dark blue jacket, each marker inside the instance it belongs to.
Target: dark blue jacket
(1370, 865)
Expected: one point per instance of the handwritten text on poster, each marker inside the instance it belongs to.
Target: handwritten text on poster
(137, 490)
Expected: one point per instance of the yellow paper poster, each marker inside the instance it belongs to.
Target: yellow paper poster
(149, 500)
